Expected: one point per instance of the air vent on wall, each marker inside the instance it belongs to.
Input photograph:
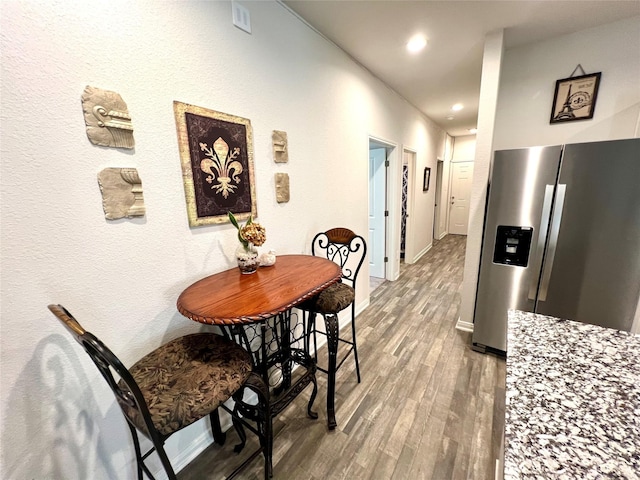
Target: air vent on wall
(241, 17)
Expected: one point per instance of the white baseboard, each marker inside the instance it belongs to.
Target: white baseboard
(359, 308)
(464, 326)
(195, 447)
(188, 454)
(422, 253)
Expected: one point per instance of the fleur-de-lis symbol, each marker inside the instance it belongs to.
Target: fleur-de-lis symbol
(221, 165)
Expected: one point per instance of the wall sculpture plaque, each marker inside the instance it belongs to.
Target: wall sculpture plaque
(280, 146)
(216, 152)
(282, 187)
(107, 118)
(121, 190)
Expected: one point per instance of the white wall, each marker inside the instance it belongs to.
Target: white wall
(121, 278)
(421, 212)
(464, 149)
(529, 78)
(526, 92)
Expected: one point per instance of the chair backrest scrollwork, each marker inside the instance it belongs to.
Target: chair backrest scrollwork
(344, 247)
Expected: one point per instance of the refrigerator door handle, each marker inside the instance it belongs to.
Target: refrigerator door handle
(553, 242)
(542, 238)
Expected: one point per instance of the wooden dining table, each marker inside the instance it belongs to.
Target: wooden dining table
(257, 308)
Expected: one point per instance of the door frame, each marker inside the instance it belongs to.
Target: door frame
(392, 205)
(440, 214)
(452, 168)
(409, 246)
(376, 248)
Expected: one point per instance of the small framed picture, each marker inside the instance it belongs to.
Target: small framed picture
(575, 98)
(216, 152)
(426, 179)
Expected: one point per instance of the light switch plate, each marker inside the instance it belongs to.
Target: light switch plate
(241, 17)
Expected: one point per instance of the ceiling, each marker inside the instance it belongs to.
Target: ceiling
(448, 70)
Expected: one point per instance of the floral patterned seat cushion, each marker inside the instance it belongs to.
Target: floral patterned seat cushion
(333, 299)
(186, 379)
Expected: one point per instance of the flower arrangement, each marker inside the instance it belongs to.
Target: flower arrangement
(251, 233)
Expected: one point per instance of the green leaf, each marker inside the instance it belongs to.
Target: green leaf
(233, 220)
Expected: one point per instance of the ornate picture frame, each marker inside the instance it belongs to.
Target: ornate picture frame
(575, 98)
(216, 153)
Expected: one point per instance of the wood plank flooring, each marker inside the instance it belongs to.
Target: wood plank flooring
(428, 406)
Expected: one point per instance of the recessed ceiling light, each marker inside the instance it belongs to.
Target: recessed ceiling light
(450, 117)
(473, 130)
(457, 106)
(416, 43)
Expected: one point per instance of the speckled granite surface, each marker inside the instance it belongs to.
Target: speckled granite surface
(573, 400)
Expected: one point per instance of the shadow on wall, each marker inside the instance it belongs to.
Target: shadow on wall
(62, 423)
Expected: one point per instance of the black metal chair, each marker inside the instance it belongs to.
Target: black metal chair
(179, 383)
(348, 250)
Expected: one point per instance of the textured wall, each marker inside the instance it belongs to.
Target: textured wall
(122, 278)
(529, 78)
(464, 149)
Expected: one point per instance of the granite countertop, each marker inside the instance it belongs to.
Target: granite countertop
(573, 400)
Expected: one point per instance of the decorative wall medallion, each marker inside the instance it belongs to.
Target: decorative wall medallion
(121, 190)
(280, 147)
(282, 187)
(107, 118)
(216, 152)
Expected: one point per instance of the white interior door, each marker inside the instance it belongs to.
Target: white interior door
(377, 181)
(461, 178)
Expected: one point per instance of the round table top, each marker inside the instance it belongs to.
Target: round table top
(230, 297)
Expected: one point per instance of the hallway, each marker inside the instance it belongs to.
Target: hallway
(428, 406)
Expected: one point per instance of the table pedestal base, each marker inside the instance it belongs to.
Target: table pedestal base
(292, 391)
(270, 345)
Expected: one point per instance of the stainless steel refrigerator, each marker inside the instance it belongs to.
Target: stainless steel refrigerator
(561, 237)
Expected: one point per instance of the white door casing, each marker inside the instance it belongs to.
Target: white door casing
(461, 180)
(377, 182)
(439, 211)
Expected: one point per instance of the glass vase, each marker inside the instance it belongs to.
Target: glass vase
(247, 258)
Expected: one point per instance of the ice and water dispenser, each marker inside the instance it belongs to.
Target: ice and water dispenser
(512, 245)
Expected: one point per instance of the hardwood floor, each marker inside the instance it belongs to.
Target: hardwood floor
(428, 406)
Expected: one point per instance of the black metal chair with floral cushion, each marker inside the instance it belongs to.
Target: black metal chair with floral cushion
(179, 383)
(348, 250)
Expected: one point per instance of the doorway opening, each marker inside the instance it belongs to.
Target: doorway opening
(379, 153)
(461, 180)
(408, 167)
(405, 200)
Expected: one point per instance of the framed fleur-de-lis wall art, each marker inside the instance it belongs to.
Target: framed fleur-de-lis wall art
(216, 153)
